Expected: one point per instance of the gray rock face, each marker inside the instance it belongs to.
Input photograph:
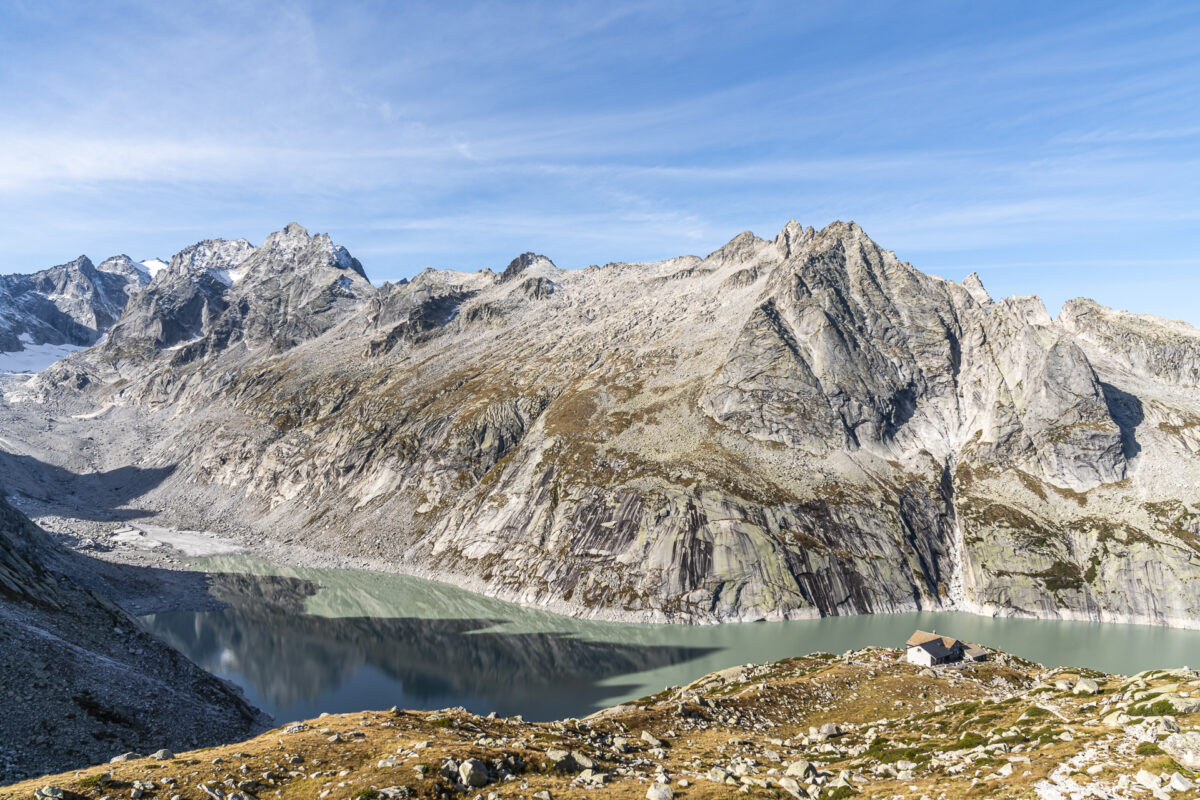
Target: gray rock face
(785, 428)
(74, 303)
(182, 301)
(853, 349)
(1162, 348)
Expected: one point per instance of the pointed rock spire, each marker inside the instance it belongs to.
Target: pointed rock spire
(791, 237)
(974, 287)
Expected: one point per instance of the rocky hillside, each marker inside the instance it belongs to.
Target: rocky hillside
(71, 304)
(864, 724)
(79, 680)
(785, 428)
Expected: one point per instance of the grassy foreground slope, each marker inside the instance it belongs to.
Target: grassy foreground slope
(864, 724)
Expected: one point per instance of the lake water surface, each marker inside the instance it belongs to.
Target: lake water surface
(304, 641)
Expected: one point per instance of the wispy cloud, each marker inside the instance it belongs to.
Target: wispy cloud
(1104, 136)
(459, 134)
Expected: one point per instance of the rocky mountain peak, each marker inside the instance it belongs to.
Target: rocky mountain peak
(1167, 350)
(69, 304)
(117, 263)
(792, 238)
(844, 229)
(295, 247)
(974, 287)
(217, 256)
(79, 268)
(1030, 308)
(137, 274)
(745, 250)
(521, 263)
(217, 293)
(292, 238)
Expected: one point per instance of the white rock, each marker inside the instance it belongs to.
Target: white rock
(1148, 779)
(660, 791)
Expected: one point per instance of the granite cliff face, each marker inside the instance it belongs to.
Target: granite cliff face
(800, 426)
(71, 304)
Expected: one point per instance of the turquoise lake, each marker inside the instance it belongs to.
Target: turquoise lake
(303, 641)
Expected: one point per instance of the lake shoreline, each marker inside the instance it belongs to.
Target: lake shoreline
(68, 532)
(302, 640)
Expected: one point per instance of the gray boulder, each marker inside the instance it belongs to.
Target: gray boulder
(651, 739)
(660, 791)
(473, 772)
(125, 757)
(1184, 748)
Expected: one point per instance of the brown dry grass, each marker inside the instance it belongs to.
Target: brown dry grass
(885, 704)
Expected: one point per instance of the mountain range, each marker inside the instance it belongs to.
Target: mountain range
(57, 310)
(787, 427)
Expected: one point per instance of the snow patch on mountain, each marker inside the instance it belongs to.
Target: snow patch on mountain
(153, 266)
(35, 357)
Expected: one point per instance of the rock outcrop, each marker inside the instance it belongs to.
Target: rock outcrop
(789, 427)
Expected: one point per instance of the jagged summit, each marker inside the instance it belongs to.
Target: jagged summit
(218, 258)
(787, 427)
(522, 263)
(974, 286)
(219, 292)
(1169, 350)
(72, 304)
(792, 237)
(286, 242)
(293, 248)
(122, 264)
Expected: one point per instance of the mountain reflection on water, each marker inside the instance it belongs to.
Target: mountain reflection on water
(303, 641)
(295, 664)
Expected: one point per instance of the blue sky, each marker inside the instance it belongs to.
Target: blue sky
(1052, 147)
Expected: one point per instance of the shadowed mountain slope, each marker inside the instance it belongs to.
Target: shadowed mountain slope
(80, 681)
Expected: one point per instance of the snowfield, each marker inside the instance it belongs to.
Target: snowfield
(35, 357)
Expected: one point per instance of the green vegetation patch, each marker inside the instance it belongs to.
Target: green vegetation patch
(968, 741)
(1158, 708)
(883, 751)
